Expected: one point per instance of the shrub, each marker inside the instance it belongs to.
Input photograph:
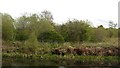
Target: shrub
(7, 27)
(50, 36)
(75, 31)
(31, 45)
(22, 35)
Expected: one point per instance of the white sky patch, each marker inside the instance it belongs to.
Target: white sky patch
(62, 10)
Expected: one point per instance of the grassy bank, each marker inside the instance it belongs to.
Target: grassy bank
(48, 54)
(82, 49)
(48, 59)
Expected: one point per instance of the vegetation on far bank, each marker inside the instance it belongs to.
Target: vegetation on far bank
(38, 34)
(56, 60)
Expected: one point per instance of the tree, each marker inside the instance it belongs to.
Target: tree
(22, 31)
(112, 30)
(21, 22)
(7, 27)
(98, 34)
(101, 26)
(22, 35)
(31, 45)
(0, 26)
(47, 15)
(112, 25)
(39, 25)
(50, 36)
(32, 23)
(118, 34)
(75, 31)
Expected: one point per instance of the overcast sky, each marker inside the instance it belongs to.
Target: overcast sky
(99, 12)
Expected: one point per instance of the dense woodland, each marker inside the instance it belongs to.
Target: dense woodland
(44, 29)
(30, 33)
(76, 42)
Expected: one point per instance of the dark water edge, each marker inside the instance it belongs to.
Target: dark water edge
(8, 62)
(61, 67)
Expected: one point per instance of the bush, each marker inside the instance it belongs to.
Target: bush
(50, 36)
(21, 35)
(31, 45)
(98, 34)
(75, 31)
(7, 27)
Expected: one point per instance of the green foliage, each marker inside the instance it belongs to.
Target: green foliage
(112, 32)
(39, 25)
(112, 25)
(119, 33)
(31, 45)
(7, 27)
(75, 31)
(98, 34)
(32, 23)
(21, 22)
(35, 36)
(47, 15)
(50, 36)
(22, 35)
(44, 29)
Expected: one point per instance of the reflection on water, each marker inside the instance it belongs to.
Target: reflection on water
(60, 66)
(25, 63)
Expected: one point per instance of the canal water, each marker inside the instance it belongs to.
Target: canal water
(24, 63)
